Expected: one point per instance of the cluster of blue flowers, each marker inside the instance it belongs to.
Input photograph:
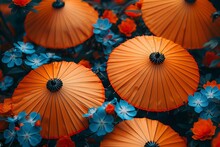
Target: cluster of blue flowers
(33, 59)
(204, 102)
(105, 36)
(102, 122)
(24, 129)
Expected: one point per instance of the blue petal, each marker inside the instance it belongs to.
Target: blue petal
(94, 127)
(198, 109)
(35, 139)
(109, 128)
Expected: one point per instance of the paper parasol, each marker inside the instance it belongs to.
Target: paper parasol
(186, 22)
(142, 132)
(153, 73)
(62, 25)
(61, 92)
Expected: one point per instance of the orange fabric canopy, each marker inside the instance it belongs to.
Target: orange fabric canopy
(61, 92)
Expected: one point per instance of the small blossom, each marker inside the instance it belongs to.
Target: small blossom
(199, 101)
(6, 83)
(36, 60)
(21, 3)
(212, 84)
(32, 118)
(52, 56)
(210, 112)
(10, 133)
(98, 67)
(26, 48)
(203, 130)
(101, 26)
(29, 135)
(110, 15)
(18, 117)
(12, 58)
(101, 123)
(125, 111)
(127, 27)
(211, 92)
(110, 109)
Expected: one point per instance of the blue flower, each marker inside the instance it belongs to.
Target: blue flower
(124, 110)
(210, 112)
(210, 92)
(90, 113)
(98, 67)
(26, 48)
(10, 133)
(12, 58)
(101, 26)
(29, 135)
(36, 60)
(20, 117)
(198, 101)
(6, 82)
(52, 56)
(108, 39)
(101, 123)
(33, 118)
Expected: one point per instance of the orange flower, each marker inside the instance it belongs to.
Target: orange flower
(110, 109)
(21, 3)
(119, 1)
(209, 57)
(203, 130)
(212, 84)
(127, 27)
(133, 11)
(216, 141)
(85, 63)
(5, 108)
(110, 15)
(38, 123)
(65, 141)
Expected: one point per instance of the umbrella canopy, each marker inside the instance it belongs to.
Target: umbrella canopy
(61, 92)
(152, 73)
(186, 22)
(59, 25)
(143, 132)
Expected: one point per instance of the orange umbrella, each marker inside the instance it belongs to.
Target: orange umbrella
(60, 25)
(186, 22)
(153, 73)
(61, 92)
(143, 132)
(5, 110)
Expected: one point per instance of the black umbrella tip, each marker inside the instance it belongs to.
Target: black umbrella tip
(190, 1)
(54, 85)
(157, 58)
(151, 144)
(58, 4)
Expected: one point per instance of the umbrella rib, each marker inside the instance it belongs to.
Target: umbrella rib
(60, 64)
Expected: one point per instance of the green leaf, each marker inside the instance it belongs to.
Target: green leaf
(215, 63)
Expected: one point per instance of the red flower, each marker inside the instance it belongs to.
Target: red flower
(110, 15)
(203, 129)
(110, 109)
(209, 57)
(65, 141)
(216, 141)
(212, 84)
(127, 27)
(85, 63)
(133, 11)
(21, 3)
(37, 123)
